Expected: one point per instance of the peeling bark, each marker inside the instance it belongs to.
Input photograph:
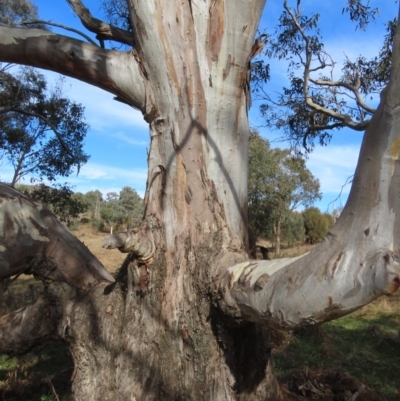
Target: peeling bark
(357, 262)
(189, 316)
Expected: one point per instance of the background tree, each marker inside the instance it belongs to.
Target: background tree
(293, 230)
(112, 210)
(316, 224)
(188, 315)
(60, 199)
(125, 209)
(14, 11)
(320, 100)
(279, 182)
(94, 200)
(133, 206)
(42, 132)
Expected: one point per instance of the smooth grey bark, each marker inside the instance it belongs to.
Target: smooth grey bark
(358, 261)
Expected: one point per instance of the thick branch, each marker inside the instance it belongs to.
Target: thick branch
(113, 71)
(284, 294)
(33, 241)
(351, 88)
(358, 261)
(103, 30)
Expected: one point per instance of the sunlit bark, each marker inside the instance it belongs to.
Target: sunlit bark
(186, 318)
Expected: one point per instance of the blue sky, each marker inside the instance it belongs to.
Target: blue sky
(118, 135)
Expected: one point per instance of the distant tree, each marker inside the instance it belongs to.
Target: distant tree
(278, 183)
(42, 132)
(293, 230)
(12, 12)
(94, 200)
(112, 211)
(59, 199)
(133, 205)
(318, 99)
(316, 224)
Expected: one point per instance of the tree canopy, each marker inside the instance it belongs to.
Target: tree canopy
(319, 99)
(41, 131)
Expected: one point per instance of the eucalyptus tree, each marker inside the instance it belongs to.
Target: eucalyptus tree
(279, 182)
(320, 99)
(41, 131)
(187, 316)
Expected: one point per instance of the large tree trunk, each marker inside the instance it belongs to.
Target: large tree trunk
(157, 334)
(185, 319)
(166, 340)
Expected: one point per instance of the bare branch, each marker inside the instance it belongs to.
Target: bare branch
(106, 69)
(305, 298)
(103, 30)
(351, 88)
(344, 118)
(67, 28)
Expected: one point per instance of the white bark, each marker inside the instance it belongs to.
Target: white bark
(359, 259)
(113, 71)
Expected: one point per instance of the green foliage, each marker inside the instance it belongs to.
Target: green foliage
(12, 12)
(133, 205)
(293, 230)
(97, 225)
(41, 132)
(316, 224)
(314, 104)
(278, 183)
(59, 199)
(93, 200)
(125, 209)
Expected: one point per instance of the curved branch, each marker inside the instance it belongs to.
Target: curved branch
(351, 88)
(283, 294)
(358, 261)
(344, 118)
(33, 241)
(107, 69)
(67, 28)
(103, 30)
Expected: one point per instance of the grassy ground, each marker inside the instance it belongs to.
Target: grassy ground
(365, 345)
(355, 358)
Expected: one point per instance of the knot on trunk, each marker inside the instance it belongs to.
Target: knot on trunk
(136, 241)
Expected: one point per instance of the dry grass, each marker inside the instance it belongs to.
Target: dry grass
(111, 259)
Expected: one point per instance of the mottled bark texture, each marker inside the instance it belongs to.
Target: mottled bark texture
(188, 317)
